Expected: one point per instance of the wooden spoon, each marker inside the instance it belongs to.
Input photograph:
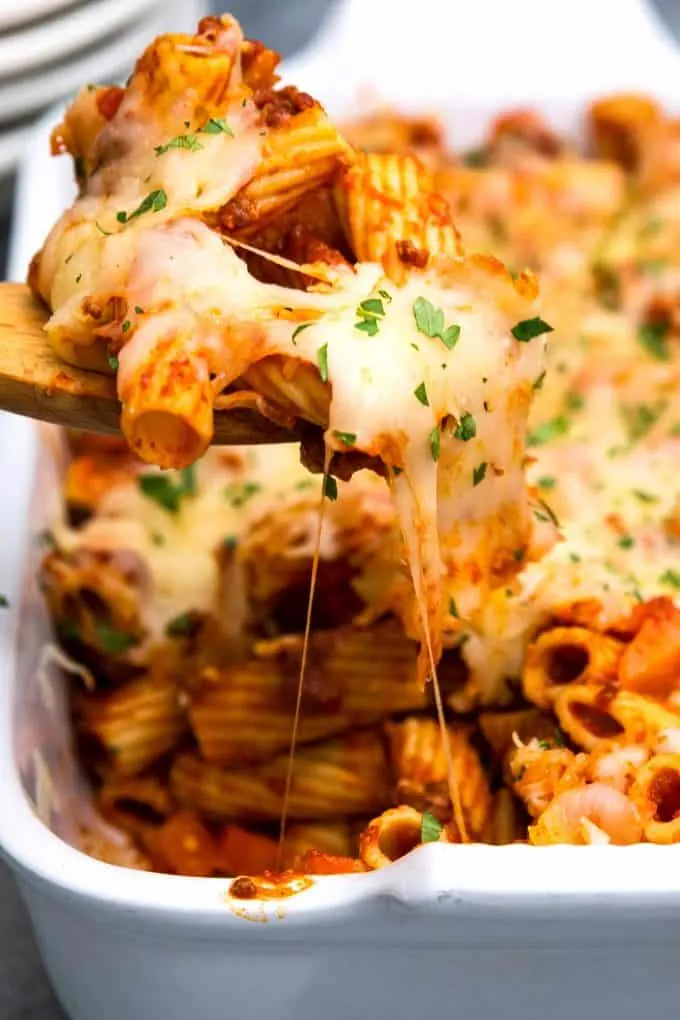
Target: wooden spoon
(35, 383)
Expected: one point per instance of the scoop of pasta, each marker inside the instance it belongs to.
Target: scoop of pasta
(228, 246)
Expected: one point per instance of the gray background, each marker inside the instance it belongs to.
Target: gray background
(24, 993)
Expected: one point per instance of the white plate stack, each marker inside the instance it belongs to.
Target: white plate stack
(49, 48)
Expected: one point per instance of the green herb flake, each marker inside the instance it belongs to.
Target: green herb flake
(639, 418)
(430, 322)
(368, 326)
(466, 429)
(112, 641)
(626, 542)
(183, 625)
(157, 538)
(435, 440)
(653, 336)
(519, 554)
(106, 233)
(546, 482)
(154, 202)
(548, 430)
(476, 158)
(538, 381)
(420, 393)
(4, 602)
(348, 438)
(322, 358)
(330, 488)
(671, 578)
(545, 745)
(479, 473)
(529, 329)
(546, 513)
(162, 489)
(238, 493)
(574, 557)
(113, 361)
(230, 542)
(189, 142)
(450, 336)
(645, 497)
(430, 828)
(139, 310)
(385, 295)
(217, 126)
(453, 609)
(371, 308)
(299, 329)
(574, 401)
(79, 277)
(125, 327)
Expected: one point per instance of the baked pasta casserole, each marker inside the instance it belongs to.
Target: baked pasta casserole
(486, 497)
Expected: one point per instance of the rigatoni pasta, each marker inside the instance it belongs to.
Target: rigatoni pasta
(521, 522)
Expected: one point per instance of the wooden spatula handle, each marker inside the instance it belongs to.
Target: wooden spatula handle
(36, 384)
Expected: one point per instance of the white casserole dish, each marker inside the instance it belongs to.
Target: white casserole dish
(483, 931)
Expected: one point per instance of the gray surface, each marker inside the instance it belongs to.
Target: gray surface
(24, 992)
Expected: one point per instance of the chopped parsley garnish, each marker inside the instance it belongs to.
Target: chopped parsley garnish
(125, 327)
(519, 554)
(4, 602)
(322, 358)
(453, 608)
(299, 329)
(670, 577)
(230, 542)
(139, 310)
(466, 428)
(626, 542)
(546, 482)
(476, 157)
(238, 493)
(574, 401)
(162, 489)
(348, 438)
(154, 202)
(430, 322)
(435, 440)
(106, 233)
(79, 277)
(368, 326)
(538, 381)
(371, 307)
(639, 418)
(420, 393)
(574, 557)
(111, 640)
(217, 126)
(529, 329)
(385, 295)
(559, 737)
(330, 488)
(607, 286)
(113, 361)
(546, 513)
(68, 258)
(430, 828)
(545, 745)
(183, 625)
(548, 430)
(479, 473)
(189, 142)
(369, 312)
(645, 497)
(653, 336)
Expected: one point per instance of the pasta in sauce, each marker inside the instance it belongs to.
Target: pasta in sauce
(230, 245)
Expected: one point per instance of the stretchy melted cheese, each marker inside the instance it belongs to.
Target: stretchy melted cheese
(419, 368)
